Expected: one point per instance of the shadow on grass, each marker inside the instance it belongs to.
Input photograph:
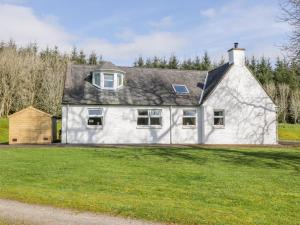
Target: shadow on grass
(258, 158)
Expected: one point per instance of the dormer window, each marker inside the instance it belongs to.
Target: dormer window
(108, 79)
(97, 79)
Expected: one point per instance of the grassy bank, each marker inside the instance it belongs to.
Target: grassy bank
(177, 185)
(290, 132)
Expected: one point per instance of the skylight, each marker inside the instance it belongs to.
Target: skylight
(180, 89)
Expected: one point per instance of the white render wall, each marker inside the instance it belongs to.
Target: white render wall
(250, 115)
(120, 126)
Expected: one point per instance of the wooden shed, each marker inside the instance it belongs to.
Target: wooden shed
(31, 126)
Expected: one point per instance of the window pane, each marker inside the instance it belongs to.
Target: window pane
(155, 112)
(142, 121)
(180, 89)
(109, 80)
(108, 84)
(189, 113)
(219, 121)
(97, 78)
(218, 113)
(120, 80)
(143, 112)
(95, 121)
(155, 121)
(95, 112)
(188, 121)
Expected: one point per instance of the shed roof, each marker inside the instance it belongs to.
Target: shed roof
(30, 108)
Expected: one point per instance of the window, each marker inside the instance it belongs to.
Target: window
(180, 89)
(219, 118)
(95, 117)
(149, 117)
(108, 80)
(189, 118)
(97, 79)
(119, 79)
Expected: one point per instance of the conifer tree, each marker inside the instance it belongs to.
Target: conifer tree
(92, 59)
(81, 58)
(173, 62)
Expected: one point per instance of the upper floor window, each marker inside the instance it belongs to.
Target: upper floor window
(180, 89)
(119, 79)
(219, 117)
(95, 117)
(189, 117)
(97, 79)
(108, 80)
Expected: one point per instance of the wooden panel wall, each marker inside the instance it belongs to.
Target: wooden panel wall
(30, 127)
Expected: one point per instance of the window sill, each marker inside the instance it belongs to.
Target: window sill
(96, 127)
(189, 126)
(149, 127)
(219, 126)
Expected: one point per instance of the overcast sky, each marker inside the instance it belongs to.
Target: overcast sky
(123, 30)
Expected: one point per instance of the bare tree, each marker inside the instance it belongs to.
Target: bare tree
(271, 90)
(295, 105)
(282, 100)
(291, 15)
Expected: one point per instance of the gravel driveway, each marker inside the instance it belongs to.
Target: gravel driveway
(43, 215)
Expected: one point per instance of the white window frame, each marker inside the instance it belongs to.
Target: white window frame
(214, 117)
(96, 115)
(188, 116)
(121, 77)
(173, 85)
(113, 80)
(149, 116)
(94, 80)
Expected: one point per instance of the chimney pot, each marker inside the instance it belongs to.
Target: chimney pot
(236, 45)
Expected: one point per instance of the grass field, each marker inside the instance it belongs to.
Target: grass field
(176, 185)
(3, 130)
(289, 132)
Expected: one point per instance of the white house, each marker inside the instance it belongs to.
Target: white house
(106, 104)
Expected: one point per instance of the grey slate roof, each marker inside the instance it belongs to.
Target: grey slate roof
(213, 79)
(142, 86)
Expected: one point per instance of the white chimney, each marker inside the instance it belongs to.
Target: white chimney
(237, 55)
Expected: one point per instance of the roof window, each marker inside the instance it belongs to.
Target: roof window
(180, 89)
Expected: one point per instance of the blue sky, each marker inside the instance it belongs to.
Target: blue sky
(123, 30)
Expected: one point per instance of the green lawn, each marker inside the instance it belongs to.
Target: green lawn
(3, 130)
(180, 185)
(289, 132)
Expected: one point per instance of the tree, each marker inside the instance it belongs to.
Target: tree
(206, 62)
(197, 63)
(271, 90)
(163, 63)
(156, 62)
(295, 105)
(291, 15)
(74, 55)
(140, 62)
(173, 62)
(92, 59)
(81, 58)
(264, 70)
(283, 94)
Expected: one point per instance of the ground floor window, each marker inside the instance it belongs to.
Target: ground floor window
(95, 117)
(219, 117)
(189, 117)
(149, 117)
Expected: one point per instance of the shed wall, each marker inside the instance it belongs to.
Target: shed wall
(30, 127)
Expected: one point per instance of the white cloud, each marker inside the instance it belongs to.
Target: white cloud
(255, 26)
(163, 23)
(158, 43)
(20, 24)
(210, 13)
